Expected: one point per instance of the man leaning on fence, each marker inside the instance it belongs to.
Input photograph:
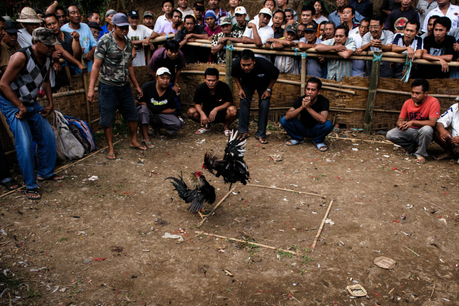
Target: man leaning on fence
(27, 71)
(416, 123)
(113, 58)
(313, 109)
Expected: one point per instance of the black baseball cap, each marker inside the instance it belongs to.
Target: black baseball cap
(10, 27)
(199, 6)
(311, 27)
(133, 14)
(94, 25)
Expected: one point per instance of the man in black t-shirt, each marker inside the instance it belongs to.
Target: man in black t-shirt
(254, 73)
(313, 108)
(157, 106)
(439, 47)
(213, 103)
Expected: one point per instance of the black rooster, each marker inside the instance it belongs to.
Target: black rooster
(202, 192)
(232, 167)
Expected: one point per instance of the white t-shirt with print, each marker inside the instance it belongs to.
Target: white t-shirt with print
(140, 33)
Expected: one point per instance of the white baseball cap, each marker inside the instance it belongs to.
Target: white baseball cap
(240, 10)
(266, 11)
(162, 71)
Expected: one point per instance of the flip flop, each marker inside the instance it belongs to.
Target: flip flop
(149, 145)
(33, 191)
(321, 146)
(53, 177)
(294, 142)
(110, 156)
(202, 131)
(228, 133)
(10, 185)
(138, 148)
(262, 140)
(245, 135)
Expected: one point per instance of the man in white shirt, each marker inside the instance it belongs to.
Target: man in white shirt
(259, 33)
(445, 8)
(30, 21)
(139, 36)
(447, 132)
(358, 66)
(184, 9)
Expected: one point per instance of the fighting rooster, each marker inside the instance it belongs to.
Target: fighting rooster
(202, 192)
(232, 167)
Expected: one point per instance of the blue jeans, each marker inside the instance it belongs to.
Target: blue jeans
(244, 114)
(297, 131)
(5, 174)
(38, 127)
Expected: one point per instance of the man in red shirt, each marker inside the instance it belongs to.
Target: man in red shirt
(415, 125)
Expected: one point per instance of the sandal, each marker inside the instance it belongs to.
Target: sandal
(53, 177)
(11, 185)
(228, 133)
(33, 192)
(110, 156)
(149, 145)
(245, 135)
(321, 146)
(202, 131)
(139, 147)
(294, 142)
(261, 139)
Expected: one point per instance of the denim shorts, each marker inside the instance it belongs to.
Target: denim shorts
(113, 98)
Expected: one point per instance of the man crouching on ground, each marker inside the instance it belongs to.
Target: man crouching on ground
(157, 106)
(313, 123)
(415, 125)
(447, 132)
(27, 71)
(213, 103)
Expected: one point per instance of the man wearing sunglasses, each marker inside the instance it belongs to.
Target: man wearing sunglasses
(27, 71)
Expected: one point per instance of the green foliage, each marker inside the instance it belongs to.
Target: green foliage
(282, 254)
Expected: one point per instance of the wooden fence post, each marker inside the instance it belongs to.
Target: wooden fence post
(371, 98)
(303, 75)
(229, 63)
(86, 85)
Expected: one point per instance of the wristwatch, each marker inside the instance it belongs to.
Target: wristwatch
(269, 90)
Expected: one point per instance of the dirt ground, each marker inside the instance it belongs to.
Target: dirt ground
(100, 242)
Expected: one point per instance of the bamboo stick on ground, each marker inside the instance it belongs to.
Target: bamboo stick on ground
(61, 168)
(215, 207)
(322, 225)
(290, 190)
(254, 243)
(364, 140)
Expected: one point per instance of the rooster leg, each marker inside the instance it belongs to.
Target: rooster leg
(201, 215)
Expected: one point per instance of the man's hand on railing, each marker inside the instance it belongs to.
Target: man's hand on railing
(444, 65)
(376, 43)
(340, 48)
(410, 52)
(456, 47)
(358, 51)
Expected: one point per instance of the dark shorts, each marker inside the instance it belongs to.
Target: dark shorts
(221, 115)
(113, 98)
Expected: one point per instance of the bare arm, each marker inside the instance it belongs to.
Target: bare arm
(386, 48)
(321, 47)
(247, 40)
(92, 80)
(305, 46)
(15, 65)
(346, 53)
(216, 48)
(52, 8)
(293, 112)
(427, 56)
(69, 58)
(76, 47)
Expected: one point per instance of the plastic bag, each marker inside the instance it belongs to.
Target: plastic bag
(70, 146)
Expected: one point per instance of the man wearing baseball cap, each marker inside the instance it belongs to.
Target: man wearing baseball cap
(29, 21)
(239, 21)
(310, 40)
(149, 20)
(27, 71)
(259, 33)
(157, 106)
(113, 59)
(139, 36)
(108, 27)
(9, 44)
(198, 11)
(287, 64)
(95, 29)
(219, 40)
(235, 4)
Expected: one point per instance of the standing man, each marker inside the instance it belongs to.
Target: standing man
(310, 40)
(337, 69)
(278, 21)
(363, 7)
(397, 19)
(347, 18)
(219, 40)
(446, 9)
(307, 15)
(190, 32)
(336, 15)
(213, 103)
(29, 21)
(170, 28)
(283, 5)
(139, 36)
(198, 11)
(157, 107)
(183, 8)
(9, 44)
(424, 7)
(408, 43)
(358, 66)
(240, 14)
(234, 4)
(259, 33)
(215, 7)
(59, 11)
(254, 73)
(415, 126)
(329, 30)
(27, 71)
(439, 47)
(378, 40)
(108, 27)
(113, 59)
(166, 6)
(95, 30)
(94, 17)
(313, 123)
(149, 20)
(87, 41)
